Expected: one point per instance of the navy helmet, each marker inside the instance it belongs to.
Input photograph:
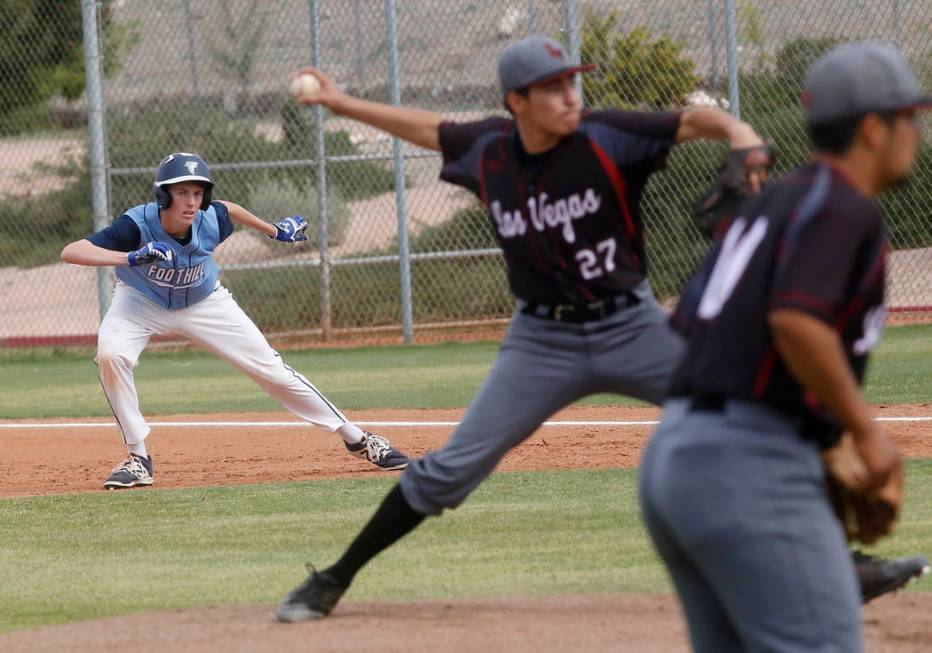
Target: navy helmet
(178, 167)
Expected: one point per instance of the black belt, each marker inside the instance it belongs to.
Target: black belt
(578, 313)
(708, 403)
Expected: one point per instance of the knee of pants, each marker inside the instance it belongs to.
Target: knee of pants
(431, 488)
(109, 358)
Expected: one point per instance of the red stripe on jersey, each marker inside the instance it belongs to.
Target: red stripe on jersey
(847, 313)
(763, 372)
(532, 244)
(620, 186)
(483, 195)
(797, 297)
(857, 302)
(811, 401)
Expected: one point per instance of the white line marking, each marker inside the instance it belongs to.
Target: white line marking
(646, 422)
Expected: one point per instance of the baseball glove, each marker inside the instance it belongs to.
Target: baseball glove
(290, 230)
(733, 186)
(866, 517)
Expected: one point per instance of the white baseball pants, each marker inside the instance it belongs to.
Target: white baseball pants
(216, 323)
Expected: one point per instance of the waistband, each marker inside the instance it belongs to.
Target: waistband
(823, 432)
(578, 313)
(729, 406)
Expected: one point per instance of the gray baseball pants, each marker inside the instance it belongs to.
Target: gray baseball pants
(735, 503)
(543, 366)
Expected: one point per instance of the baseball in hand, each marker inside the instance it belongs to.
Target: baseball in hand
(304, 87)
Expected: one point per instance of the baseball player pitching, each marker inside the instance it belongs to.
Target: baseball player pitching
(167, 282)
(765, 410)
(562, 188)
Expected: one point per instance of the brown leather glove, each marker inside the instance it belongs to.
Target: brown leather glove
(732, 186)
(867, 516)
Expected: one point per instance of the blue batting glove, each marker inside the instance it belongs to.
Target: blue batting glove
(151, 252)
(290, 230)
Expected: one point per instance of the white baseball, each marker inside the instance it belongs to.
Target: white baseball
(304, 87)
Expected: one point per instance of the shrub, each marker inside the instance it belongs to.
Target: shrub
(634, 71)
(770, 101)
(768, 88)
(469, 228)
(370, 294)
(141, 138)
(355, 179)
(794, 58)
(34, 229)
(41, 55)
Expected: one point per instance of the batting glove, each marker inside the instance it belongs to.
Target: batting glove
(290, 230)
(149, 253)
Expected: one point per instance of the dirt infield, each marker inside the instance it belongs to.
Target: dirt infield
(199, 456)
(78, 459)
(623, 623)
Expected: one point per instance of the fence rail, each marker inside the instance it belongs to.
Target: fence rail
(395, 253)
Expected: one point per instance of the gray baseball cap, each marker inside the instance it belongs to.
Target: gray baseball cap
(534, 60)
(855, 79)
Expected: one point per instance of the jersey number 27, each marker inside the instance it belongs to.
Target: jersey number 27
(588, 259)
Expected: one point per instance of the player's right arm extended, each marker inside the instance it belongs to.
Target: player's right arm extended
(84, 252)
(417, 126)
(813, 352)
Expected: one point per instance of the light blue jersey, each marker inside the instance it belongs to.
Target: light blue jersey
(192, 274)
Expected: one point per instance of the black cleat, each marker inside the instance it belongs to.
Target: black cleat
(135, 471)
(878, 576)
(315, 598)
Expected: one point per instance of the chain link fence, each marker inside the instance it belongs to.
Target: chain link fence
(395, 254)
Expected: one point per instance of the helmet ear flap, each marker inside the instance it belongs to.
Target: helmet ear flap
(163, 197)
(207, 197)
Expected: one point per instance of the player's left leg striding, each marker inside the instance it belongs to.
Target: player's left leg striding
(636, 351)
(221, 326)
(124, 333)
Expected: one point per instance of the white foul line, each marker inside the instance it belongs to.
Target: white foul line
(646, 422)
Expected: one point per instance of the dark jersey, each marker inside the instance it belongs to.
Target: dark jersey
(810, 242)
(122, 235)
(567, 219)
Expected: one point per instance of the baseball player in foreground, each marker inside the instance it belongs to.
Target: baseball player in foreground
(167, 282)
(562, 188)
(766, 456)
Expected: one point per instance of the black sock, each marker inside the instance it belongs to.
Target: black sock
(393, 520)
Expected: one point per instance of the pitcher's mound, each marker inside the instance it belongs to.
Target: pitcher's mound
(624, 623)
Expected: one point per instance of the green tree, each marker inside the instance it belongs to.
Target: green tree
(42, 55)
(634, 70)
(235, 50)
(795, 57)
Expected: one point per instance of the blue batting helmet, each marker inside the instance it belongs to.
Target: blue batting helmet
(178, 167)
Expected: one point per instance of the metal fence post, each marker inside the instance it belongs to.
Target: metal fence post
(573, 40)
(192, 53)
(398, 155)
(320, 159)
(359, 46)
(713, 45)
(897, 35)
(95, 124)
(731, 44)
(531, 18)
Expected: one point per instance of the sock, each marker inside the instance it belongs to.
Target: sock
(351, 433)
(393, 520)
(138, 449)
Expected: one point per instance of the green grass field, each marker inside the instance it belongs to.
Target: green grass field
(64, 558)
(64, 383)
